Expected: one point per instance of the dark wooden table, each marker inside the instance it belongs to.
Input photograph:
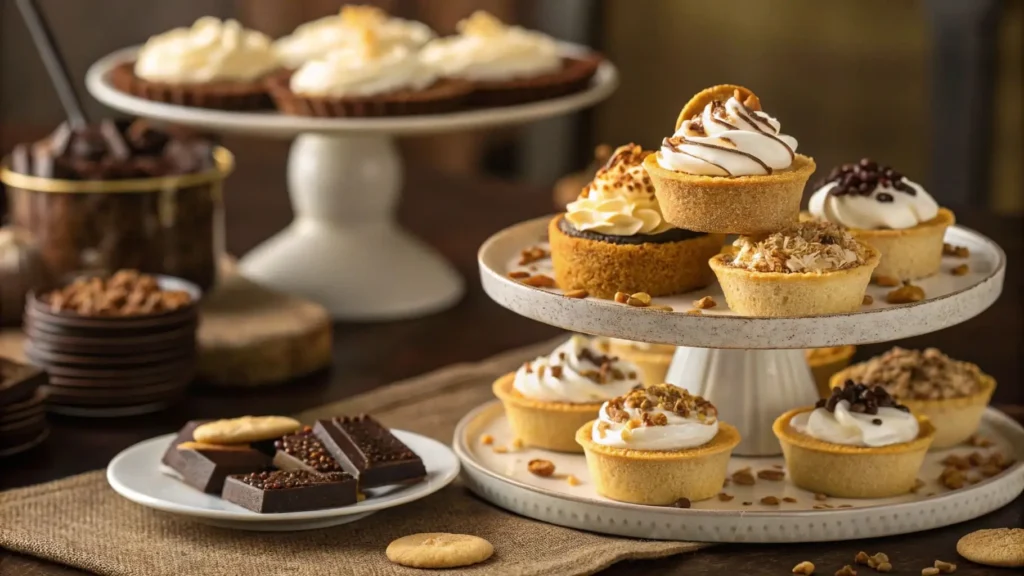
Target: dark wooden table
(456, 215)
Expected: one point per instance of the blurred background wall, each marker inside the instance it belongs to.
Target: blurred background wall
(902, 81)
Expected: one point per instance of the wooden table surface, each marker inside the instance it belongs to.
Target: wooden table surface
(456, 215)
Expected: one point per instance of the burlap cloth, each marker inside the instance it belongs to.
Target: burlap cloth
(81, 522)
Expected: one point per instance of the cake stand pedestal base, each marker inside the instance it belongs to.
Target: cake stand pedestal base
(344, 249)
(750, 388)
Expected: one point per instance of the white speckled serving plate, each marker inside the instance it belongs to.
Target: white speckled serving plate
(504, 480)
(950, 300)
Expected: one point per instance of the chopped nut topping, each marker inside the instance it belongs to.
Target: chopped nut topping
(868, 300)
(723, 497)
(804, 247)
(744, 477)
(905, 294)
(555, 371)
(543, 468)
(862, 399)
(747, 503)
(961, 270)
(621, 297)
(531, 255)
(804, 568)
(846, 505)
(789, 499)
(539, 281)
(602, 428)
(945, 567)
(487, 439)
(660, 397)
(500, 450)
(773, 475)
(518, 274)
(770, 501)
(887, 281)
(846, 571)
(958, 251)
(883, 567)
(572, 480)
(979, 441)
(877, 559)
(682, 503)
(821, 497)
(952, 478)
(705, 303)
(921, 375)
(576, 294)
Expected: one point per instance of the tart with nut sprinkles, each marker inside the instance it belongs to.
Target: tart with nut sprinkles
(613, 237)
(656, 446)
(807, 269)
(951, 393)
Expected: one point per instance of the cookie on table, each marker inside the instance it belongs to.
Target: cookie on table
(1003, 547)
(439, 550)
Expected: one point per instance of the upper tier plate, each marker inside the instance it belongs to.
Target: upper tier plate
(281, 125)
(949, 300)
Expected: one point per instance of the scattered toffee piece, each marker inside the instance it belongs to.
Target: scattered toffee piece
(291, 491)
(368, 450)
(862, 399)
(664, 397)
(304, 451)
(670, 235)
(864, 177)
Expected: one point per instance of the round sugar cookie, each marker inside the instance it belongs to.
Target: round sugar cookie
(1003, 547)
(245, 429)
(439, 550)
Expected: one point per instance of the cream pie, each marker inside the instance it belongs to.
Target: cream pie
(807, 269)
(508, 64)
(951, 393)
(653, 360)
(858, 443)
(213, 64)
(367, 78)
(315, 39)
(728, 167)
(613, 238)
(548, 399)
(656, 446)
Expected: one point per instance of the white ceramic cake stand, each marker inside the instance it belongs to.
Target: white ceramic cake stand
(752, 369)
(344, 248)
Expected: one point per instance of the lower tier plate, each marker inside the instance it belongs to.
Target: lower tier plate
(501, 477)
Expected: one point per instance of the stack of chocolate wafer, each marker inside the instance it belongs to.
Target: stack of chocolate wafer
(22, 409)
(114, 346)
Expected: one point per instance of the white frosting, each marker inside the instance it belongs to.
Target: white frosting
(573, 358)
(487, 50)
(209, 51)
(857, 429)
(363, 70)
(315, 39)
(865, 212)
(679, 433)
(734, 141)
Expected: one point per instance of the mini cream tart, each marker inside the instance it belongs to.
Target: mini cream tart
(548, 399)
(883, 208)
(613, 238)
(728, 168)
(656, 446)
(858, 443)
(806, 269)
(652, 359)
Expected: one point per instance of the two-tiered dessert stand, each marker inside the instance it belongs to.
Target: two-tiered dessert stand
(344, 249)
(753, 370)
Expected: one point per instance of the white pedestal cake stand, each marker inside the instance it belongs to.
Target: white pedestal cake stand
(752, 369)
(344, 249)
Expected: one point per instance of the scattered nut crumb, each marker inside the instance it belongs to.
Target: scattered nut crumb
(661, 307)
(580, 293)
(945, 567)
(861, 558)
(747, 503)
(695, 312)
(500, 450)
(517, 444)
(929, 571)
(778, 466)
(770, 501)
(958, 251)
(487, 439)
(572, 480)
(705, 303)
(771, 475)
(682, 503)
(878, 559)
(905, 294)
(979, 441)
(884, 567)
(846, 571)
(846, 505)
(821, 497)
(976, 459)
(744, 477)
(961, 270)
(805, 568)
(952, 478)
(956, 461)
(820, 506)
(888, 281)
(539, 281)
(723, 497)
(621, 297)
(531, 255)
(639, 300)
(518, 275)
(543, 468)
(789, 499)
(868, 300)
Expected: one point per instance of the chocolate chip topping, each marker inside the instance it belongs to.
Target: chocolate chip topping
(375, 441)
(310, 450)
(862, 178)
(663, 397)
(281, 479)
(862, 399)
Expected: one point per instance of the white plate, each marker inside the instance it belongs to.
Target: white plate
(950, 300)
(137, 474)
(504, 480)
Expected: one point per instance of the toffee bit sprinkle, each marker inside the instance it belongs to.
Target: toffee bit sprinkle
(664, 398)
(283, 480)
(861, 398)
(803, 247)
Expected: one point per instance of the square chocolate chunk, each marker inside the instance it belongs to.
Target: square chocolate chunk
(280, 491)
(304, 451)
(369, 451)
(206, 469)
(172, 456)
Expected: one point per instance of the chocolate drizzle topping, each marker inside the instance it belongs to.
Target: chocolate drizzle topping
(676, 141)
(866, 176)
(862, 399)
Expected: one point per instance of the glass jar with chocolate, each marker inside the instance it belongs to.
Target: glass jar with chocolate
(121, 195)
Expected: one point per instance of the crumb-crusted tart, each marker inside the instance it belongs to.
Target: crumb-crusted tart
(213, 64)
(367, 78)
(548, 399)
(728, 167)
(858, 443)
(508, 64)
(885, 209)
(806, 269)
(658, 445)
(825, 362)
(951, 393)
(653, 360)
(613, 238)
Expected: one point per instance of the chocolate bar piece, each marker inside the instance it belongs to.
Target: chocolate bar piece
(18, 382)
(290, 491)
(369, 451)
(172, 456)
(303, 451)
(205, 466)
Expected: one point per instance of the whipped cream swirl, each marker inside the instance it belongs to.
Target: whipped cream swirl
(728, 139)
(868, 196)
(662, 417)
(486, 50)
(620, 201)
(577, 372)
(364, 69)
(315, 39)
(209, 51)
(889, 426)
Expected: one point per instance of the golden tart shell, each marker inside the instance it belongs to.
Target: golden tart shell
(541, 424)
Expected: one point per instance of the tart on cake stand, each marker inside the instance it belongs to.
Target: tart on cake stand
(344, 248)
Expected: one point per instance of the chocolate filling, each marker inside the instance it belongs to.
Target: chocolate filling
(671, 235)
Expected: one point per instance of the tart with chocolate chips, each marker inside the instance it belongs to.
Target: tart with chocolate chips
(888, 211)
(951, 393)
(658, 446)
(613, 237)
(858, 443)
